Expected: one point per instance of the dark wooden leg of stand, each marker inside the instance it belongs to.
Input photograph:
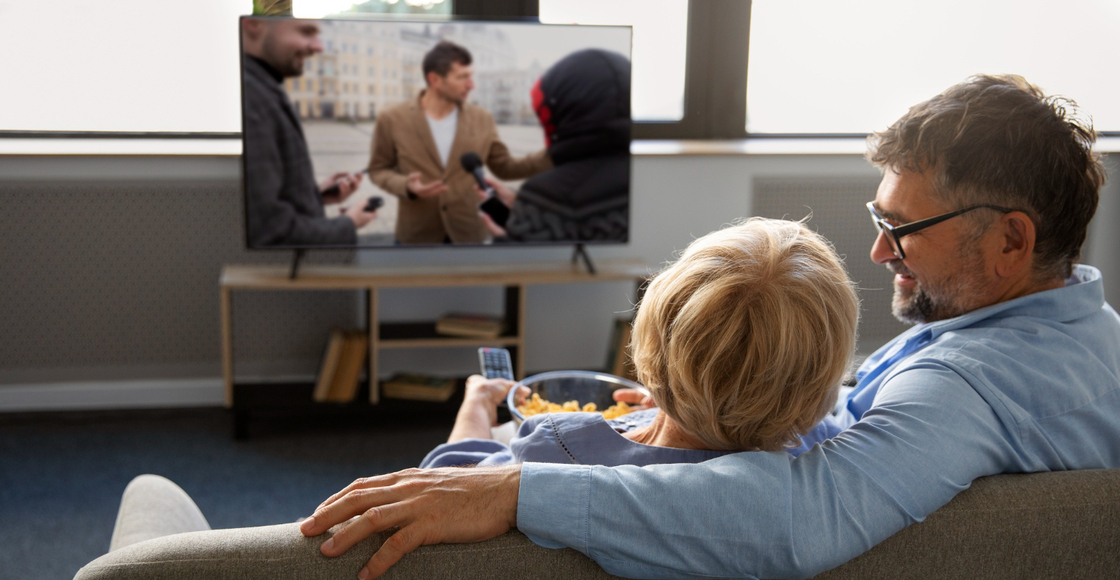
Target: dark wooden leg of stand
(581, 252)
(295, 264)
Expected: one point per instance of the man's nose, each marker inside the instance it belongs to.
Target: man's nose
(881, 251)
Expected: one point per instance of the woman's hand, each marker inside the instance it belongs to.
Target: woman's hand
(634, 398)
(479, 411)
(487, 393)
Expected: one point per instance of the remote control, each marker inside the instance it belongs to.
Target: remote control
(495, 363)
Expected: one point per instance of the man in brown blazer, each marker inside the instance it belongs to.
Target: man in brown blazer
(417, 146)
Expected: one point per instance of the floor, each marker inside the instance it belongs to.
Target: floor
(61, 474)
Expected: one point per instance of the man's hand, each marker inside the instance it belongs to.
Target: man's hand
(506, 195)
(495, 230)
(417, 186)
(430, 506)
(347, 184)
(357, 212)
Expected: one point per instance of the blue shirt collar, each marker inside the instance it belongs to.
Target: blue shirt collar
(1082, 295)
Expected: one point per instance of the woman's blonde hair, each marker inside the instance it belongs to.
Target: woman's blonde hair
(745, 339)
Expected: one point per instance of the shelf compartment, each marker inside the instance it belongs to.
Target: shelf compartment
(414, 334)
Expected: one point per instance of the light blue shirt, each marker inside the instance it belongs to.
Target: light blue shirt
(1031, 384)
(569, 438)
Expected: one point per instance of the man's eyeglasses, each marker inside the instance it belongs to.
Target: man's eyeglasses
(894, 233)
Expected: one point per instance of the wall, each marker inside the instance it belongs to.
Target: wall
(109, 269)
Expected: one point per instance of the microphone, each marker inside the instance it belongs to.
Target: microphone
(473, 164)
(492, 206)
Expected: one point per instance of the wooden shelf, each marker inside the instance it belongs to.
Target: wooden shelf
(399, 334)
(319, 277)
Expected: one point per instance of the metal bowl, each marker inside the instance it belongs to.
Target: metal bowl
(562, 386)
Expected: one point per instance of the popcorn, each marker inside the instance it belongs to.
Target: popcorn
(536, 405)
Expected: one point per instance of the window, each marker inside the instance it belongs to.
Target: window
(660, 32)
(821, 66)
(151, 67)
(122, 66)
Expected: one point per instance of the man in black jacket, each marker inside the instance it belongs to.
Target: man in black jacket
(583, 103)
(284, 203)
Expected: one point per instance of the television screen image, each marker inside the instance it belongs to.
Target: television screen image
(361, 133)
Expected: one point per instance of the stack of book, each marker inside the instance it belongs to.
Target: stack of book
(419, 388)
(618, 355)
(341, 370)
(471, 325)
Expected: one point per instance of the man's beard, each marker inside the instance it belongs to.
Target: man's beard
(288, 64)
(930, 301)
(449, 96)
(292, 67)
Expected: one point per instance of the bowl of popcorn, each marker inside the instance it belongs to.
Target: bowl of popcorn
(569, 391)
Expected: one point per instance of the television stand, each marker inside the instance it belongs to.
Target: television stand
(581, 252)
(512, 279)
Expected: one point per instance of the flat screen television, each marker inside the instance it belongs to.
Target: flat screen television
(539, 114)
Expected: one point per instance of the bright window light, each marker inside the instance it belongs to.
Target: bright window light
(660, 35)
(821, 66)
(325, 8)
(121, 65)
(319, 8)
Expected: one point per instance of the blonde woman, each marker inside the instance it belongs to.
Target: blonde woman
(742, 342)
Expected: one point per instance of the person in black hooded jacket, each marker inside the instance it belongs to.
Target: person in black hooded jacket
(583, 103)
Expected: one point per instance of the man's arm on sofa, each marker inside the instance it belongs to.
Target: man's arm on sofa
(767, 515)
(429, 506)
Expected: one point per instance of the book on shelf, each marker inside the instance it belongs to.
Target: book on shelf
(349, 372)
(419, 388)
(618, 355)
(471, 325)
(331, 355)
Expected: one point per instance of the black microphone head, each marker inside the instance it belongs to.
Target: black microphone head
(470, 161)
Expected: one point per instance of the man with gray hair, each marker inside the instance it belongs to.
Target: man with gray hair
(1012, 366)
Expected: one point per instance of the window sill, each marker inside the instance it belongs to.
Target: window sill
(110, 146)
(650, 148)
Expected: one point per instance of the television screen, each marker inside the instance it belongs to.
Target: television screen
(362, 133)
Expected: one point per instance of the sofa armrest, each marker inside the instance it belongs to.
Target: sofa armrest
(271, 552)
(1062, 524)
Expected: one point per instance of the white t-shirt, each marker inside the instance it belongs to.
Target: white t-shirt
(443, 130)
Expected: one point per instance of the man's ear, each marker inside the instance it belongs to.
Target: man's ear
(1017, 244)
(252, 28)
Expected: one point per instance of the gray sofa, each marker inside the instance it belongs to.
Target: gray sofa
(1048, 525)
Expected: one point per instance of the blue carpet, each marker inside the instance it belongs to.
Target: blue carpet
(62, 474)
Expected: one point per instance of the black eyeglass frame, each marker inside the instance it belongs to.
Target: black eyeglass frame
(894, 233)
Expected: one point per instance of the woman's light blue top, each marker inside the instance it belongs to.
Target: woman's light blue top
(568, 438)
